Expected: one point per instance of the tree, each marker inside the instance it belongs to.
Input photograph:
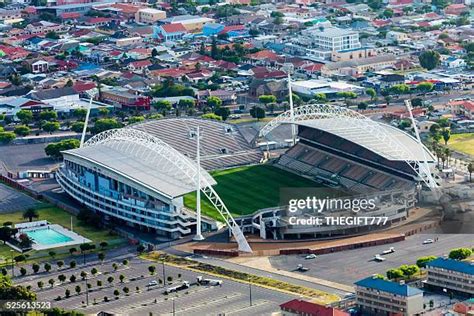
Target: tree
(266, 99)
(121, 278)
(425, 87)
(10, 292)
(30, 214)
(460, 253)
(409, 270)
(257, 112)
(321, 97)
(61, 278)
(400, 89)
(72, 264)
(163, 106)
(67, 293)
(22, 130)
(394, 274)
(114, 266)
(72, 278)
(136, 119)
(52, 35)
(6, 137)
(126, 290)
(40, 284)
(52, 254)
(50, 127)
(49, 115)
(152, 270)
(125, 262)
(6, 232)
(94, 271)
(103, 244)
(101, 256)
(116, 293)
(103, 111)
(387, 13)
(54, 149)
(429, 59)
(77, 127)
(105, 124)
(211, 116)
(362, 105)
(214, 102)
(140, 248)
(422, 261)
(60, 264)
(78, 289)
(446, 133)
(35, 267)
(25, 116)
(72, 250)
(110, 279)
(371, 93)
(47, 267)
(23, 271)
(99, 283)
(51, 282)
(223, 112)
(346, 95)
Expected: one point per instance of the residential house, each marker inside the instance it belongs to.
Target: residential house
(463, 108)
(456, 9)
(453, 62)
(191, 23)
(278, 88)
(139, 65)
(169, 32)
(122, 98)
(149, 15)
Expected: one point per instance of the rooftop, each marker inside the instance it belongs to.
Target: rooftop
(388, 286)
(453, 265)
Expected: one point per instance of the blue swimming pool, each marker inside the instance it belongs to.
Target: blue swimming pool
(45, 236)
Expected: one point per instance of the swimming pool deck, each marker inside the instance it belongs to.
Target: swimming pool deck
(76, 238)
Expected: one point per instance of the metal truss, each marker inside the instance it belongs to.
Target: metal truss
(152, 149)
(349, 121)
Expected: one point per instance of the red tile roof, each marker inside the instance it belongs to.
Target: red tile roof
(173, 28)
(230, 28)
(309, 309)
(70, 15)
(467, 104)
(98, 20)
(263, 54)
(83, 86)
(314, 67)
(141, 63)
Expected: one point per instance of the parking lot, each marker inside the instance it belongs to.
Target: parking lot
(231, 298)
(12, 200)
(26, 157)
(350, 266)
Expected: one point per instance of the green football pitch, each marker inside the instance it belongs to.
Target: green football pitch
(245, 190)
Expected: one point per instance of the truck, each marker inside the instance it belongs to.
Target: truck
(201, 281)
(184, 285)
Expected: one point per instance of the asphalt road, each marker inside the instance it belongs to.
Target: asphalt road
(12, 200)
(350, 266)
(231, 298)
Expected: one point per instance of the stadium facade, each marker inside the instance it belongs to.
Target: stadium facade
(133, 178)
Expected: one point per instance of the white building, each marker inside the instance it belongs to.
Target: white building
(320, 42)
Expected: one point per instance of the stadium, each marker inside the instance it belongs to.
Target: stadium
(146, 175)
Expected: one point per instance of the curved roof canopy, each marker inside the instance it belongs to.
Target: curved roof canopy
(143, 159)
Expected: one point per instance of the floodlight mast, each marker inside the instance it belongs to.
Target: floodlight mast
(91, 93)
(289, 68)
(424, 165)
(199, 235)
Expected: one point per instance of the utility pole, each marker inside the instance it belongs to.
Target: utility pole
(289, 68)
(198, 188)
(87, 292)
(174, 308)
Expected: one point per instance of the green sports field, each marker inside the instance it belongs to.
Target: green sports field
(462, 143)
(245, 190)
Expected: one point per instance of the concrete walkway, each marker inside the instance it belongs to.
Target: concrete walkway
(263, 263)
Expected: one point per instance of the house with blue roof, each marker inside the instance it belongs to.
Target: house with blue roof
(211, 29)
(379, 297)
(448, 275)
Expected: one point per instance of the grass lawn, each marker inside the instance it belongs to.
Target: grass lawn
(59, 216)
(247, 189)
(462, 142)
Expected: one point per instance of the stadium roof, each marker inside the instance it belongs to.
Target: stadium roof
(356, 134)
(453, 265)
(388, 286)
(140, 164)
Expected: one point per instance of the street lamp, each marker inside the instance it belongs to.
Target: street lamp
(250, 291)
(13, 261)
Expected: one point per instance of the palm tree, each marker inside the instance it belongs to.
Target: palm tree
(30, 214)
(447, 153)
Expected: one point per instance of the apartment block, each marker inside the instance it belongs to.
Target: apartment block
(378, 297)
(449, 275)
